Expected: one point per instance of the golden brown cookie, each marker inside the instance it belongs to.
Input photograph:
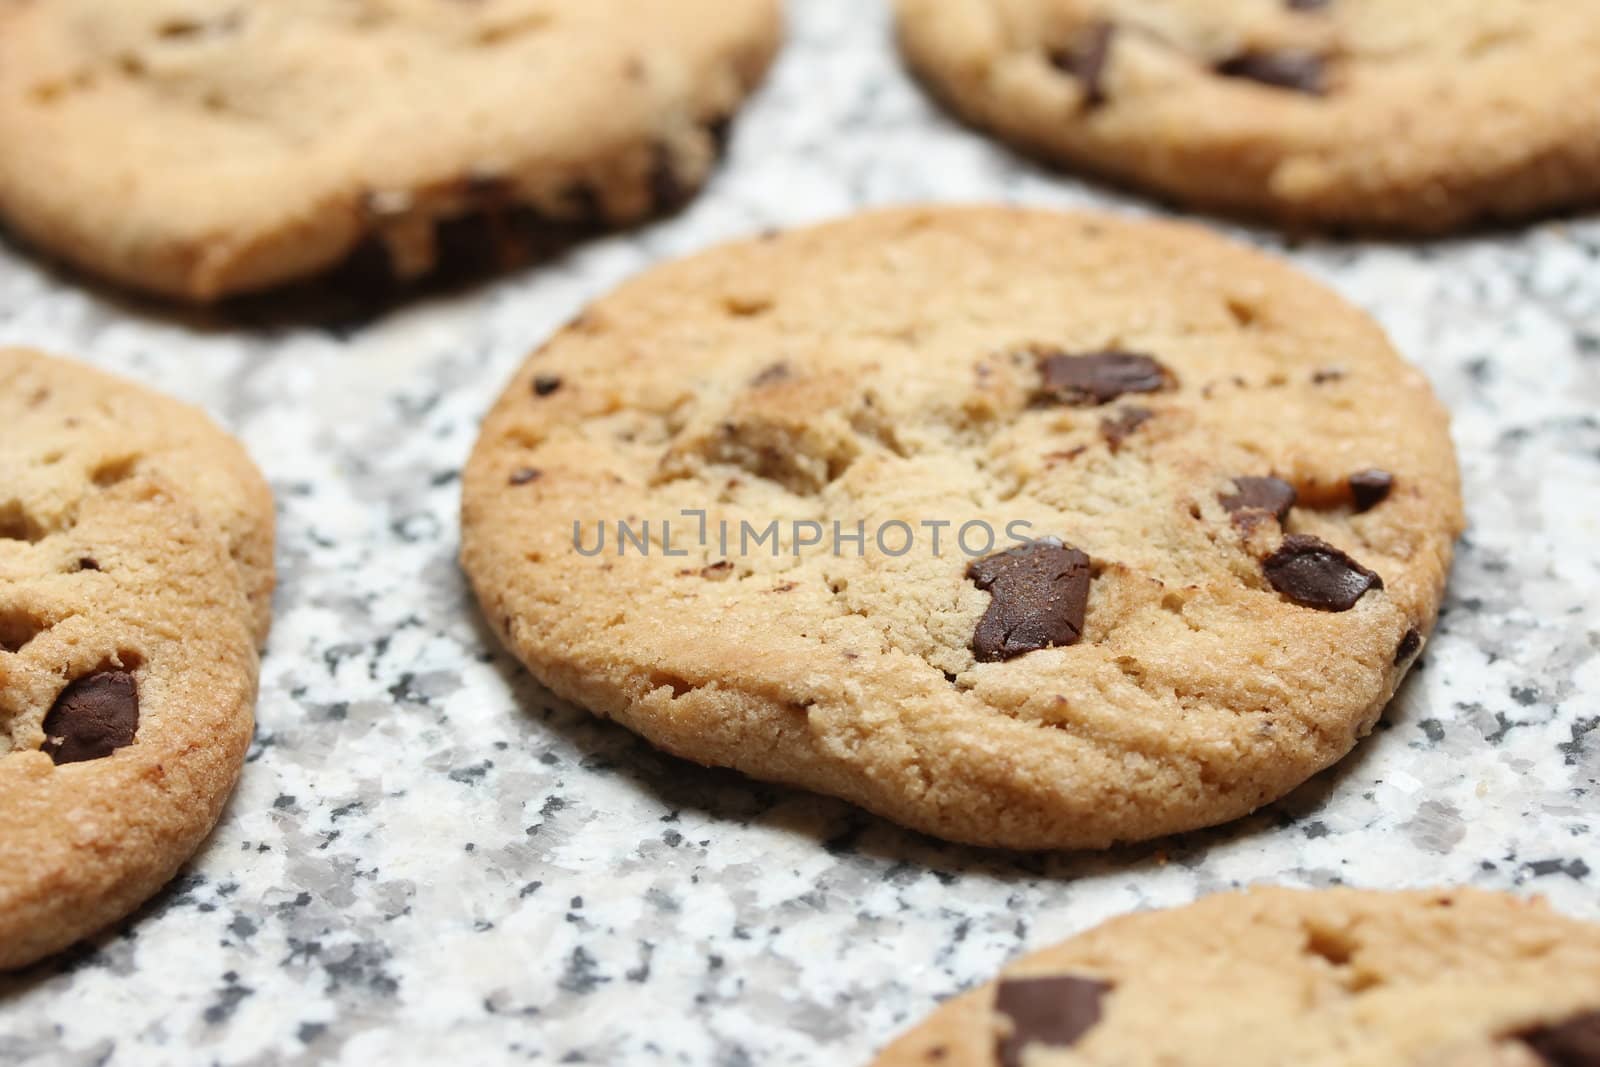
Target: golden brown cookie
(200, 148)
(72, 426)
(1272, 977)
(1372, 114)
(1020, 528)
(130, 532)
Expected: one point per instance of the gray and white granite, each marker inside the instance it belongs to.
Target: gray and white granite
(429, 860)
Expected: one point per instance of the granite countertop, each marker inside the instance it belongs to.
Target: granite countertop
(430, 860)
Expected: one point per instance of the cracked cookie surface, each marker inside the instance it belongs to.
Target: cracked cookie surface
(1331, 978)
(1368, 114)
(135, 570)
(70, 426)
(201, 148)
(1203, 614)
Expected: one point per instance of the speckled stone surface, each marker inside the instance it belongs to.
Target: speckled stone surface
(429, 861)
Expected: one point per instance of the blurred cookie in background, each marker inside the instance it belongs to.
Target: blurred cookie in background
(203, 148)
(1372, 115)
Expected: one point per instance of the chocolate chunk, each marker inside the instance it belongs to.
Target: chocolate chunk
(667, 188)
(719, 130)
(1099, 377)
(1408, 646)
(1573, 1043)
(778, 372)
(1314, 574)
(545, 384)
(1055, 1012)
(1301, 71)
(92, 718)
(1086, 61)
(525, 475)
(1370, 488)
(1041, 594)
(88, 563)
(1273, 496)
(1124, 426)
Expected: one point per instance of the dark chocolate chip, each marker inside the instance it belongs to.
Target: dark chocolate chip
(1040, 596)
(720, 129)
(88, 563)
(1300, 71)
(1306, 5)
(1314, 574)
(545, 384)
(1086, 61)
(1055, 1011)
(1370, 488)
(667, 189)
(1124, 426)
(525, 475)
(92, 718)
(778, 372)
(1408, 646)
(1573, 1043)
(1099, 377)
(1273, 496)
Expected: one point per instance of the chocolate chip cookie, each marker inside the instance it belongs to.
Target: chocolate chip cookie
(134, 536)
(76, 426)
(201, 148)
(1334, 978)
(1417, 118)
(1020, 528)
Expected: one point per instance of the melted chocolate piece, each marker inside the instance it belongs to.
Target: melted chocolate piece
(1096, 378)
(1086, 61)
(545, 384)
(1573, 1043)
(92, 718)
(1055, 1011)
(1408, 646)
(1300, 71)
(1314, 574)
(1370, 488)
(1124, 426)
(1273, 496)
(1040, 596)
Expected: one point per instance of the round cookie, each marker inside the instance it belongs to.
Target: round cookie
(202, 148)
(127, 645)
(73, 426)
(1335, 978)
(1238, 504)
(1367, 114)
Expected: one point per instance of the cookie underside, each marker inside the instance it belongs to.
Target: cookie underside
(212, 148)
